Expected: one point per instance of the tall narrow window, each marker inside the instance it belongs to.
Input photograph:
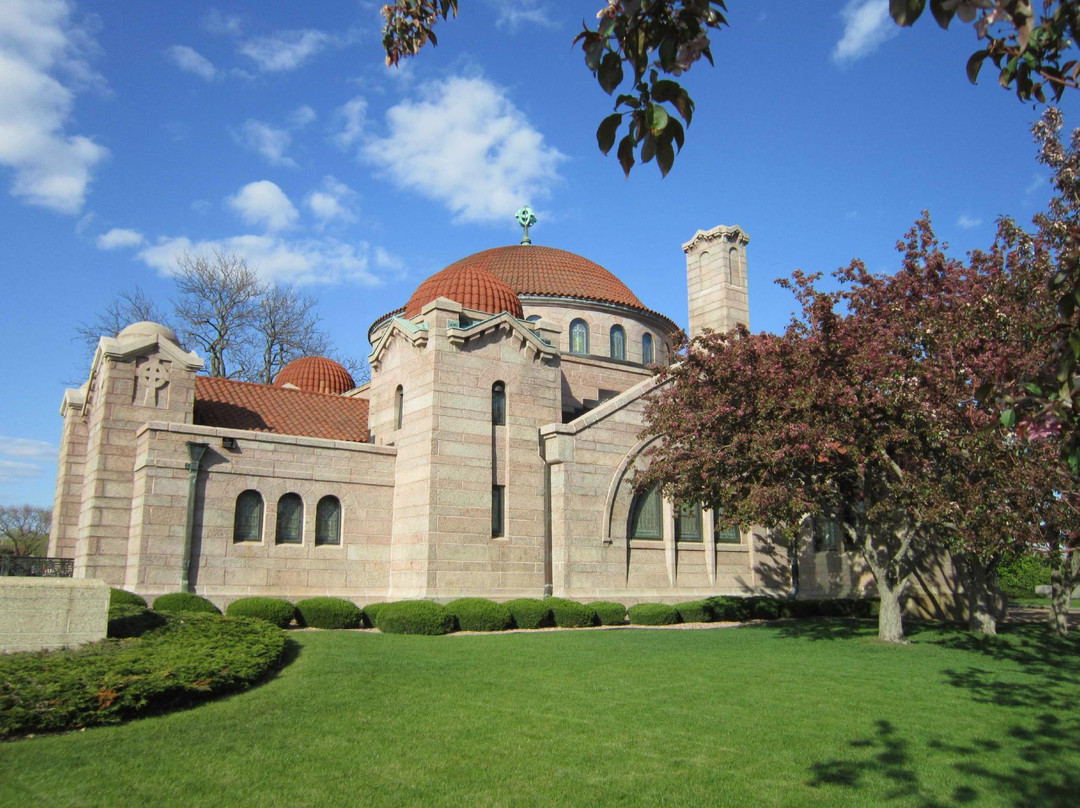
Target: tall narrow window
(826, 534)
(579, 337)
(725, 532)
(646, 516)
(688, 523)
(647, 354)
(247, 521)
(399, 406)
(618, 342)
(498, 510)
(290, 520)
(328, 521)
(498, 404)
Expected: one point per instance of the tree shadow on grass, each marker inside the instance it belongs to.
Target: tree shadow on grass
(827, 628)
(1031, 763)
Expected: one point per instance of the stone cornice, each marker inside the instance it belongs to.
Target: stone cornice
(722, 232)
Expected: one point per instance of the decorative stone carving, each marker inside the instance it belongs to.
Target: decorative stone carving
(151, 380)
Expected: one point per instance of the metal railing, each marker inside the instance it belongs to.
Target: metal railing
(37, 567)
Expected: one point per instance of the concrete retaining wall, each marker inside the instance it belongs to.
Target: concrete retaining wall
(39, 613)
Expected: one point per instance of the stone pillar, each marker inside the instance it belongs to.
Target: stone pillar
(716, 279)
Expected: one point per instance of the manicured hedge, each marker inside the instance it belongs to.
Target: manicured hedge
(530, 613)
(273, 610)
(608, 613)
(731, 609)
(480, 614)
(129, 620)
(653, 614)
(570, 613)
(371, 614)
(415, 617)
(184, 602)
(325, 612)
(193, 657)
(121, 597)
(696, 611)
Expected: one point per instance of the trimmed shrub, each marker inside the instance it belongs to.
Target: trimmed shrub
(184, 602)
(327, 612)
(696, 611)
(764, 608)
(530, 613)
(653, 614)
(730, 609)
(371, 613)
(191, 658)
(480, 614)
(129, 620)
(415, 617)
(608, 612)
(570, 613)
(1019, 577)
(273, 610)
(121, 597)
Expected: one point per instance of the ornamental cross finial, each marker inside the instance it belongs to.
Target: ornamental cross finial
(526, 218)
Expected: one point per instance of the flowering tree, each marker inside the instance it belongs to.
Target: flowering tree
(637, 47)
(875, 409)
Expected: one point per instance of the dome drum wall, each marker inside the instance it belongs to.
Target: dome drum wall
(601, 319)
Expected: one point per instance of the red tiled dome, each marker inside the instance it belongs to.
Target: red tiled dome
(315, 374)
(549, 272)
(472, 287)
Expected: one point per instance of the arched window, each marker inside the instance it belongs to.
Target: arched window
(399, 406)
(498, 404)
(647, 354)
(688, 523)
(646, 516)
(579, 337)
(827, 533)
(248, 519)
(618, 342)
(498, 511)
(290, 520)
(532, 318)
(328, 521)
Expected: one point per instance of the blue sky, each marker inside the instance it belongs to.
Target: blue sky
(132, 131)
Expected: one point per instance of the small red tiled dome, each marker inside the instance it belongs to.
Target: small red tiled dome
(472, 287)
(315, 374)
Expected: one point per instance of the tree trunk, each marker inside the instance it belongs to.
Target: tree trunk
(982, 594)
(1063, 577)
(890, 617)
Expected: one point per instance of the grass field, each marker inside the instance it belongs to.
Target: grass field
(811, 713)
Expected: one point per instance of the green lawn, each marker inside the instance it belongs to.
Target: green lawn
(813, 713)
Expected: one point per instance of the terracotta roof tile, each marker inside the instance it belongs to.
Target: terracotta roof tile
(315, 374)
(262, 408)
(471, 286)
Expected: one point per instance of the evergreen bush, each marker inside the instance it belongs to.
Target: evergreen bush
(371, 614)
(273, 610)
(118, 597)
(730, 609)
(184, 602)
(608, 612)
(192, 657)
(764, 607)
(530, 613)
(325, 612)
(480, 614)
(130, 620)
(570, 613)
(696, 611)
(1018, 578)
(653, 614)
(415, 617)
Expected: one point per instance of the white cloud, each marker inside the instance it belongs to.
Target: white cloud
(302, 116)
(12, 472)
(333, 203)
(119, 237)
(267, 140)
(218, 23)
(466, 145)
(37, 40)
(967, 222)
(867, 25)
(264, 203)
(352, 115)
(285, 50)
(523, 13)
(26, 449)
(299, 261)
(191, 61)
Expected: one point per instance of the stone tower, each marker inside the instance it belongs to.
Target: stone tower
(716, 279)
